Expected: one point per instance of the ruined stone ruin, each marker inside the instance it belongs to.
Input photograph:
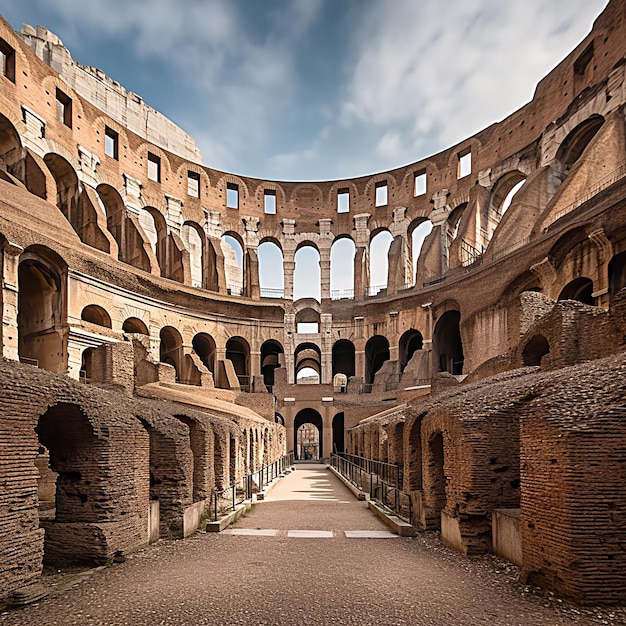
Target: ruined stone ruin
(146, 369)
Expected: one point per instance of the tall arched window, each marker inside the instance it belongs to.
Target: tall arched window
(307, 275)
(342, 268)
(233, 264)
(271, 272)
(379, 261)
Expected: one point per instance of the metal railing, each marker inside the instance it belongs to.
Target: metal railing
(469, 253)
(341, 294)
(237, 493)
(374, 290)
(389, 472)
(380, 490)
(245, 383)
(266, 292)
(365, 388)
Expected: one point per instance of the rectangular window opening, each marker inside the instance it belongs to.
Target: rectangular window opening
(308, 328)
(193, 184)
(343, 201)
(420, 184)
(381, 193)
(111, 142)
(154, 167)
(465, 164)
(64, 108)
(269, 201)
(232, 196)
(7, 60)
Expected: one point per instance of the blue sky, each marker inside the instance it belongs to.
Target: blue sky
(320, 89)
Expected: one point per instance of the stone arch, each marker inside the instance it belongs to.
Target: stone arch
(233, 249)
(437, 480)
(133, 245)
(204, 346)
(379, 245)
(410, 341)
(447, 344)
(307, 196)
(68, 189)
(165, 165)
(171, 349)
(344, 358)
(243, 192)
(73, 450)
(580, 289)
(170, 256)
(238, 353)
(271, 351)
(574, 144)
(309, 315)
(617, 273)
(11, 152)
(281, 198)
(135, 325)
(376, 353)
(370, 186)
(97, 315)
(303, 417)
(418, 231)
(307, 271)
(342, 254)
(308, 356)
(536, 348)
(42, 309)
(338, 426)
(195, 241)
(271, 268)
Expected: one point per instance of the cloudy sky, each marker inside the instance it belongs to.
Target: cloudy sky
(320, 89)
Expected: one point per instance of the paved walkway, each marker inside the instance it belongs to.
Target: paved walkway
(264, 572)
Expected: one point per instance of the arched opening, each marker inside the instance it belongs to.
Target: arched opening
(94, 314)
(504, 191)
(307, 364)
(71, 491)
(11, 150)
(447, 344)
(279, 419)
(575, 143)
(232, 248)
(41, 313)
(86, 364)
(343, 358)
(198, 445)
(411, 341)
(617, 273)
(379, 261)
(238, 353)
(419, 231)
(307, 274)
(342, 268)
(308, 321)
(130, 243)
(271, 352)
(194, 239)
(171, 349)
(414, 459)
(67, 189)
(308, 435)
(204, 346)
(376, 353)
(454, 221)
(535, 350)
(168, 254)
(338, 433)
(135, 325)
(271, 270)
(438, 479)
(580, 289)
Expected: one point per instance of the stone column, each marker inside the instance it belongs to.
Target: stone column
(325, 243)
(326, 347)
(289, 252)
(10, 262)
(605, 253)
(361, 257)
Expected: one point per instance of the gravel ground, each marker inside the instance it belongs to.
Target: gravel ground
(227, 579)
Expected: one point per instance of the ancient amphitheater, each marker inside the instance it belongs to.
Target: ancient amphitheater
(145, 370)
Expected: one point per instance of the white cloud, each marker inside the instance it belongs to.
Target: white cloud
(425, 77)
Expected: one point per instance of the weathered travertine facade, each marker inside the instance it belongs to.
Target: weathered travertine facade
(491, 375)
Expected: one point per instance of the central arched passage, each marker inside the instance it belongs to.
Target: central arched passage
(308, 445)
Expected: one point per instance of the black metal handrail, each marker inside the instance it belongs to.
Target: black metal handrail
(241, 490)
(389, 472)
(381, 491)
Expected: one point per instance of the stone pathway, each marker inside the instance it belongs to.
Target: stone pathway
(268, 570)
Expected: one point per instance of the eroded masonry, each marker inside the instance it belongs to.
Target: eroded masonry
(146, 368)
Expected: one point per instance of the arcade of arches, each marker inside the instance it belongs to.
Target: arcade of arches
(467, 330)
